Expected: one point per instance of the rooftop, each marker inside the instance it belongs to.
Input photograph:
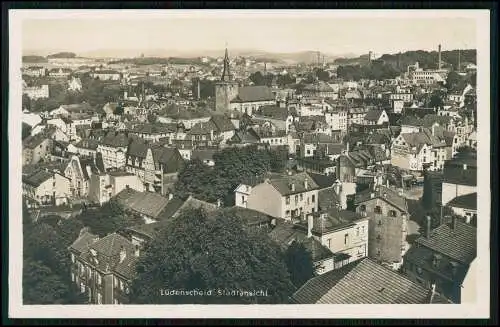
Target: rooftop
(361, 282)
(146, 203)
(386, 194)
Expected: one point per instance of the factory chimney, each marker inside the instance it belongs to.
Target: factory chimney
(439, 57)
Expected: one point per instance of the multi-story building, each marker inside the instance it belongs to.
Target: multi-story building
(337, 119)
(288, 197)
(107, 75)
(36, 148)
(153, 164)
(343, 232)
(103, 268)
(60, 72)
(79, 171)
(113, 148)
(35, 71)
(441, 258)
(388, 213)
(44, 187)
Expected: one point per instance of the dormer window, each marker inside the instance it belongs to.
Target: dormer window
(378, 210)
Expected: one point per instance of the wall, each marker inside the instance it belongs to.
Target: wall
(121, 182)
(265, 198)
(451, 191)
(224, 93)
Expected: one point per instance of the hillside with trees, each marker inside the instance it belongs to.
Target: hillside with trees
(62, 55)
(34, 59)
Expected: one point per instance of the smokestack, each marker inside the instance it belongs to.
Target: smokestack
(310, 221)
(439, 57)
(428, 228)
(137, 251)
(123, 254)
(453, 223)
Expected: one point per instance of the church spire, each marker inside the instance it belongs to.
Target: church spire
(226, 75)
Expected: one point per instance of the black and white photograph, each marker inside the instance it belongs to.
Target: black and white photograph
(164, 161)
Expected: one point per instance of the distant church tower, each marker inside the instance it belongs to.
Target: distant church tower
(226, 89)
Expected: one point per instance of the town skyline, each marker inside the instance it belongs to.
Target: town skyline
(96, 37)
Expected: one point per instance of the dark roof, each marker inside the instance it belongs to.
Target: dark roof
(108, 251)
(87, 143)
(334, 219)
(176, 205)
(459, 244)
(146, 203)
(244, 137)
(373, 115)
(223, 123)
(254, 94)
(323, 181)
(283, 184)
(156, 128)
(202, 128)
(467, 201)
(274, 112)
(460, 176)
(384, 193)
(32, 142)
(361, 282)
(115, 139)
(285, 233)
(138, 148)
(148, 230)
(82, 243)
(37, 177)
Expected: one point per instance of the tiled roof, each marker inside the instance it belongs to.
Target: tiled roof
(460, 243)
(283, 185)
(334, 219)
(32, 142)
(156, 128)
(254, 94)
(115, 139)
(82, 243)
(223, 123)
(323, 181)
(244, 137)
(384, 193)
(202, 128)
(148, 230)
(373, 115)
(146, 203)
(37, 177)
(108, 251)
(274, 112)
(361, 282)
(467, 201)
(457, 175)
(86, 143)
(138, 148)
(285, 233)
(172, 207)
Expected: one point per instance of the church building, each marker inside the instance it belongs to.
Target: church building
(229, 96)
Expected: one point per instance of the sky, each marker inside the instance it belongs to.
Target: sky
(273, 32)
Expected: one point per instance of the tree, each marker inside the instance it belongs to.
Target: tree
(257, 78)
(299, 263)
(108, 218)
(453, 80)
(152, 118)
(436, 99)
(41, 285)
(199, 252)
(321, 74)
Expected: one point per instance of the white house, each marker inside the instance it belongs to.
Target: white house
(45, 187)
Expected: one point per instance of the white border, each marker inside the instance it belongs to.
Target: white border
(16, 310)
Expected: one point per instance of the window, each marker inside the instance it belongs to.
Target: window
(362, 207)
(72, 277)
(99, 298)
(379, 238)
(313, 198)
(378, 210)
(392, 213)
(287, 200)
(363, 230)
(301, 197)
(242, 199)
(346, 239)
(99, 279)
(296, 198)
(329, 243)
(357, 231)
(287, 213)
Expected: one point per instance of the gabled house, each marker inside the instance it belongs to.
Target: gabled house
(376, 117)
(45, 187)
(442, 257)
(113, 148)
(103, 269)
(288, 197)
(251, 98)
(36, 148)
(153, 164)
(79, 171)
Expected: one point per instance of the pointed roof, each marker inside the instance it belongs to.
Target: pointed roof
(226, 74)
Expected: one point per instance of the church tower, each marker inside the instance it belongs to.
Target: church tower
(226, 89)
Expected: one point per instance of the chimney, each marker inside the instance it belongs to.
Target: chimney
(306, 184)
(453, 222)
(292, 187)
(170, 196)
(137, 251)
(123, 254)
(428, 228)
(439, 57)
(310, 221)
